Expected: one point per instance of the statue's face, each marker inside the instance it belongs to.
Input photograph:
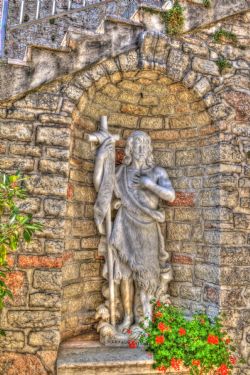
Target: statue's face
(140, 148)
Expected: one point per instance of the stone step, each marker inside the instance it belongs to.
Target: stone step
(79, 357)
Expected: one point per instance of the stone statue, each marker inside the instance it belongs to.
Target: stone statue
(139, 260)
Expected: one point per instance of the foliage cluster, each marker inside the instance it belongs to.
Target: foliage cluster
(223, 35)
(199, 343)
(206, 3)
(14, 225)
(174, 19)
(223, 63)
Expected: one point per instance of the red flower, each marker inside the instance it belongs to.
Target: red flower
(227, 341)
(175, 363)
(233, 360)
(162, 327)
(182, 332)
(158, 314)
(213, 339)
(196, 362)
(132, 344)
(162, 369)
(129, 331)
(158, 304)
(223, 370)
(159, 339)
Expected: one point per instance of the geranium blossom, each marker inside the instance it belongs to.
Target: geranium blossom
(182, 331)
(159, 339)
(213, 339)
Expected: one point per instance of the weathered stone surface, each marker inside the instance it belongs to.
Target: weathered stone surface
(55, 167)
(14, 131)
(177, 64)
(53, 136)
(187, 157)
(19, 149)
(45, 300)
(47, 280)
(14, 340)
(205, 66)
(90, 270)
(29, 319)
(183, 273)
(55, 207)
(177, 231)
(22, 364)
(207, 272)
(47, 339)
(47, 185)
(191, 293)
(231, 276)
(164, 158)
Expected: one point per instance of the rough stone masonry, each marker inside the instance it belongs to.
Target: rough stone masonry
(198, 118)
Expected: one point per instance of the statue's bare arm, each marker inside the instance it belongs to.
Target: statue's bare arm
(162, 187)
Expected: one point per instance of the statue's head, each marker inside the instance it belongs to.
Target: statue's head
(139, 148)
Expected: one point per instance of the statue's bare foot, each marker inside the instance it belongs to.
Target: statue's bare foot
(126, 324)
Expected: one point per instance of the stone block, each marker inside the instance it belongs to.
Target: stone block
(90, 270)
(124, 120)
(54, 207)
(177, 64)
(205, 66)
(71, 272)
(13, 340)
(90, 243)
(39, 100)
(134, 109)
(26, 150)
(191, 293)
(234, 297)
(54, 167)
(16, 131)
(20, 114)
(234, 256)
(149, 100)
(151, 123)
(187, 214)
(30, 205)
(164, 135)
(48, 339)
(47, 185)
(207, 272)
(74, 93)
(35, 246)
(17, 283)
(57, 153)
(178, 232)
(45, 300)
(55, 119)
(14, 164)
(182, 122)
(130, 86)
(183, 273)
(107, 102)
(84, 194)
(47, 280)
(164, 158)
(112, 91)
(202, 87)
(83, 228)
(53, 136)
(211, 294)
(33, 319)
(221, 153)
(187, 157)
(83, 150)
(232, 276)
(17, 363)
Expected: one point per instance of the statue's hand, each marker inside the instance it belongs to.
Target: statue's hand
(142, 181)
(106, 147)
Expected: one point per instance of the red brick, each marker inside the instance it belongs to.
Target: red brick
(181, 259)
(26, 261)
(15, 281)
(10, 260)
(183, 200)
(70, 191)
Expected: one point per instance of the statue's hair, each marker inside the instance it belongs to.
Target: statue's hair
(129, 148)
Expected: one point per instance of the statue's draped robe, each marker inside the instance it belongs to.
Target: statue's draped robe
(136, 238)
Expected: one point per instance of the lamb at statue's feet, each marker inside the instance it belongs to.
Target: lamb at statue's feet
(126, 324)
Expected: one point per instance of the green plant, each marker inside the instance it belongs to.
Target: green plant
(14, 226)
(174, 19)
(199, 344)
(52, 21)
(224, 35)
(223, 63)
(206, 3)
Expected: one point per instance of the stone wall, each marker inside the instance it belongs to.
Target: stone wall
(198, 120)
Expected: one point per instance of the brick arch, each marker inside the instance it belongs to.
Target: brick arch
(113, 87)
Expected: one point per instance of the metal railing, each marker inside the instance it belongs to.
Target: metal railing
(53, 8)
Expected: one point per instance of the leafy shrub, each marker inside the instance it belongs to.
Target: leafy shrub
(174, 19)
(199, 344)
(223, 63)
(223, 35)
(14, 226)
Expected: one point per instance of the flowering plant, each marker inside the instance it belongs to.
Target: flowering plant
(199, 344)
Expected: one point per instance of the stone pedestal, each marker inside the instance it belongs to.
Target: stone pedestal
(78, 357)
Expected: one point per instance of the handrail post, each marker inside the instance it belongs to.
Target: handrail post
(38, 6)
(69, 4)
(83, 3)
(53, 8)
(3, 26)
(21, 17)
